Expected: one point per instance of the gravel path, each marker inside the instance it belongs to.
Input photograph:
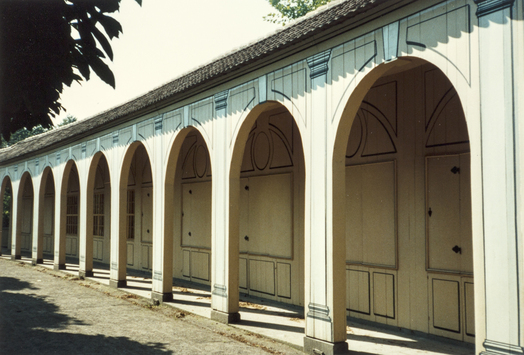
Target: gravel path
(48, 312)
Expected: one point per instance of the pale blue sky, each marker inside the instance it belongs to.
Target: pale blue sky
(164, 39)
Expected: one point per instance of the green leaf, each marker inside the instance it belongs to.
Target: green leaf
(111, 26)
(103, 42)
(105, 5)
(102, 70)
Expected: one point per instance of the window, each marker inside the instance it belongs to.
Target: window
(72, 215)
(98, 214)
(131, 214)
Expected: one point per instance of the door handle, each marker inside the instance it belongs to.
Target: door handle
(457, 249)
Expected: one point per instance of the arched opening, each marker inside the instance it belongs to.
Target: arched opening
(403, 158)
(6, 197)
(98, 229)
(24, 221)
(192, 210)
(267, 184)
(136, 188)
(70, 218)
(46, 220)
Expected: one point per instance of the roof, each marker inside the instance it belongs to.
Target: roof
(293, 34)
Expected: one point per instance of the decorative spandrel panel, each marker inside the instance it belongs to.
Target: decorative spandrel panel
(444, 117)
(241, 100)
(173, 120)
(289, 86)
(126, 136)
(201, 115)
(76, 152)
(375, 127)
(443, 29)
(195, 158)
(270, 143)
(145, 129)
(348, 61)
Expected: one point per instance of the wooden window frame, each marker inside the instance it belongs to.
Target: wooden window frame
(98, 214)
(72, 214)
(130, 214)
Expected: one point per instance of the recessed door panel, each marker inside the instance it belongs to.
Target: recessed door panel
(270, 215)
(443, 213)
(242, 273)
(357, 284)
(244, 216)
(284, 280)
(201, 214)
(469, 301)
(147, 214)
(200, 265)
(130, 254)
(371, 214)
(49, 209)
(446, 305)
(383, 295)
(262, 276)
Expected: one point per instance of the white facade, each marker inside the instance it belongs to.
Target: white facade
(372, 172)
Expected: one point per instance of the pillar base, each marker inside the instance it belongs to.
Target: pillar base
(316, 346)
(497, 348)
(84, 274)
(117, 283)
(162, 297)
(226, 318)
(16, 257)
(57, 267)
(37, 261)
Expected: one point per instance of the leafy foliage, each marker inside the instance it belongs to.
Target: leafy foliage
(69, 119)
(292, 9)
(24, 133)
(6, 207)
(44, 45)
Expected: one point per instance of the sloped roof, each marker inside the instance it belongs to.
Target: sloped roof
(293, 34)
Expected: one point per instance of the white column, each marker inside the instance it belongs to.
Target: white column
(325, 314)
(162, 247)
(498, 175)
(15, 241)
(36, 254)
(85, 227)
(118, 220)
(60, 215)
(224, 245)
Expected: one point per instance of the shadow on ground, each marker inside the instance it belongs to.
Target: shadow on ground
(30, 324)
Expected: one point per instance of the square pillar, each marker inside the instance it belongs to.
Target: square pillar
(60, 216)
(162, 243)
(325, 263)
(15, 241)
(37, 253)
(224, 242)
(85, 230)
(499, 178)
(118, 267)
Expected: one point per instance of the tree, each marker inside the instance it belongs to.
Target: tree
(44, 45)
(292, 9)
(24, 133)
(6, 208)
(69, 119)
